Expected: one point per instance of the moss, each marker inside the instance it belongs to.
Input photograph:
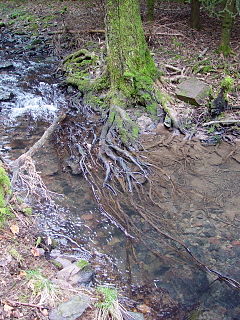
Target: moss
(5, 212)
(152, 109)
(227, 84)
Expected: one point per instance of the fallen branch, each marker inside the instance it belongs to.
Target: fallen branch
(223, 122)
(14, 303)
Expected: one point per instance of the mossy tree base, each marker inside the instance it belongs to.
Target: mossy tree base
(125, 79)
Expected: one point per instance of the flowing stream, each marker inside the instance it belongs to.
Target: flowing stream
(209, 224)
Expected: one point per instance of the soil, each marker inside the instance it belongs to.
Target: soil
(70, 25)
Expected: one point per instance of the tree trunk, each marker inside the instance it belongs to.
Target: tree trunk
(130, 65)
(195, 14)
(150, 10)
(228, 19)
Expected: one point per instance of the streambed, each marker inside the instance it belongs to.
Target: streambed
(203, 210)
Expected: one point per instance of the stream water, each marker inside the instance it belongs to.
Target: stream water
(205, 214)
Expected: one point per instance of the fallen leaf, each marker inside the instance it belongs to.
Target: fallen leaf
(14, 228)
(8, 309)
(144, 308)
(35, 252)
(22, 273)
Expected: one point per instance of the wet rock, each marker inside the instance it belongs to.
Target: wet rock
(192, 91)
(134, 316)
(72, 309)
(75, 276)
(5, 96)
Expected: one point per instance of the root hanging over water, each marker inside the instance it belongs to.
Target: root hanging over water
(24, 171)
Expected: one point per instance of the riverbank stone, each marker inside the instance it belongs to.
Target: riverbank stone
(72, 309)
(76, 276)
(192, 91)
(134, 316)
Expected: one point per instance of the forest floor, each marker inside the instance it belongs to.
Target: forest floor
(72, 25)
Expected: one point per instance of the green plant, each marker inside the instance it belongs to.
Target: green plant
(227, 84)
(42, 287)
(177, 43)
(81, 264)
(108, 306)
(16, 255)
(27, 211)
(211, 129)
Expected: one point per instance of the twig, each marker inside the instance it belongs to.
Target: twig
(25, 304)
(223, 122)
(168, 66)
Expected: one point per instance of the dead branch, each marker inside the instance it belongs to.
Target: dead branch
(15, 303)
(223, 122)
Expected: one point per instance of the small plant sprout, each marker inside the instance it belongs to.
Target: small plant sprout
(108, 306)
(42, 288)
(81, 264)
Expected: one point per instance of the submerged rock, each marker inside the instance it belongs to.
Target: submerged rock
(5, 96)
(192, 91)
(72, 309)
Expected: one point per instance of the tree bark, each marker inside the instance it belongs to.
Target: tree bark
(130, 64)
(195, 14)
(228, 19)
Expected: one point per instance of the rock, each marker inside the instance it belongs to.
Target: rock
(144, 123)
(68, 272)
(63, 261)
(6, 65)
(192, 91)
(5, 96)
(75, 276)
(72, 309)
(134, 316)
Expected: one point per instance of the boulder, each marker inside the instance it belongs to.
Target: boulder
(72, 309)
(193, 91)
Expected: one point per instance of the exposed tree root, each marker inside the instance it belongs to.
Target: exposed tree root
(24, 171)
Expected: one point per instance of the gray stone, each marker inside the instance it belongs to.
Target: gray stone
(192, 91)
(68, 272)
(5, 96)
(144, 123)
(75, 276)
(63, 261)
(134, 316)
(72, 309)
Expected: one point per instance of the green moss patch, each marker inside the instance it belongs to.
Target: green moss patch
(5, 212)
